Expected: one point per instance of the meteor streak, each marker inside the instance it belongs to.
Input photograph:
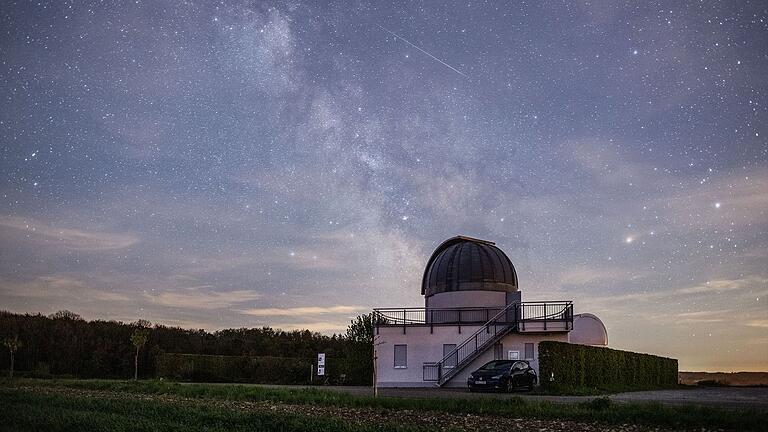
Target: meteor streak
(425, 52)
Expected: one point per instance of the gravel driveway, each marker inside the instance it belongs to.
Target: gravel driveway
(725, 397)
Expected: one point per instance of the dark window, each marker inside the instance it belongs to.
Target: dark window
(401, 356)
(497, 365)
(529, 351)
(449, 362)
(498, 351)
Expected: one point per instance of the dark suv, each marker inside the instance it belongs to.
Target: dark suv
(504, 375)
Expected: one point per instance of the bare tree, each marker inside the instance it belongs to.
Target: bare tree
(139, 338)
(13, 344)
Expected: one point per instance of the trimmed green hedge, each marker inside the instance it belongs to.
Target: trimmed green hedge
(580, 366)
(261, 370)
(212, 368)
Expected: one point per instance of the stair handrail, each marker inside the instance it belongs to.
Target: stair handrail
(470, 337)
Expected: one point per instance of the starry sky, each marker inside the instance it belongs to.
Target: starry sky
(224, 164)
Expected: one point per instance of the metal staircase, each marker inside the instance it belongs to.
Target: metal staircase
(491, 332)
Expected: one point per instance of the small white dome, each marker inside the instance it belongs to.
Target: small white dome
(588, 330)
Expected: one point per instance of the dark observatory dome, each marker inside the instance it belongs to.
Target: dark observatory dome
(465, 263)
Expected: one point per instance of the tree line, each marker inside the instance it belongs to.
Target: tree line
(64, 344)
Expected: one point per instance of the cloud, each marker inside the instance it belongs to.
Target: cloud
(702, 317)
(724, 285)
(762, 323)
(203, 297)
(709, 287)
(69, 238)
(59, 287)
(320, 327)
(302, 311)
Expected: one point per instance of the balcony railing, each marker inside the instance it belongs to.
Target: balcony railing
(528, 311)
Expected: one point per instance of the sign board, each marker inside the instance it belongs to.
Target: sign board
(320, 364)
(513, 355)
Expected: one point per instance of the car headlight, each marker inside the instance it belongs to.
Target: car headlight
(497, 376)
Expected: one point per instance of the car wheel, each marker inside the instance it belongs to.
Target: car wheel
(510, 385)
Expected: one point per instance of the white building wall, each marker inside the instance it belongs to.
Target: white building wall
(426, 347)
(423, 347)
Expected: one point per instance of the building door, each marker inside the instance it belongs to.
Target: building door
(498, 351)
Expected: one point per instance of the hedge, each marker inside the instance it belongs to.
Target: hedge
(245, 369)
(564, 366)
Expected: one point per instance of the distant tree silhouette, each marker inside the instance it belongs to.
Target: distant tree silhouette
(139, 338)
(13, 344)
(64, 344)
(66, 315)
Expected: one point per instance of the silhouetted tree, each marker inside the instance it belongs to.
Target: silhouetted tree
(13, 344)
(359, 349)
(360, 329)
(65, 314)
(138, 338)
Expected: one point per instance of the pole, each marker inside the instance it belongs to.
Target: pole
(136, 365)
(375, 342)
(375, 387)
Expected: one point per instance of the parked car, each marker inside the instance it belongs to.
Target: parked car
(504, 375)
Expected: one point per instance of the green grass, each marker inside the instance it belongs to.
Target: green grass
(27, 411)
(600, 410)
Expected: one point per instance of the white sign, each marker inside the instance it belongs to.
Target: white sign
(320, 370)
(513, 355)
(320, 359)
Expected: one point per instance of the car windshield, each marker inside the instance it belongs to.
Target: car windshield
(495, 365)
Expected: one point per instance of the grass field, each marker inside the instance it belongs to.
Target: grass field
(28, 411)
(155, 405)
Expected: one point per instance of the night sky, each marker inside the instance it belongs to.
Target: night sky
(214, 165)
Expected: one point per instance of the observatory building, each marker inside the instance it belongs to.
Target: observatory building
(473, 313)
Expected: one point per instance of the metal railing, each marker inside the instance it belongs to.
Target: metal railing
(430, 372)
(546, 311)
(422, 316)
(527, 311)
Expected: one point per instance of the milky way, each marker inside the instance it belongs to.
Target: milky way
(214, 165)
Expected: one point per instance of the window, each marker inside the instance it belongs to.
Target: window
(401, 356)
(447, 348)
(529, 350)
